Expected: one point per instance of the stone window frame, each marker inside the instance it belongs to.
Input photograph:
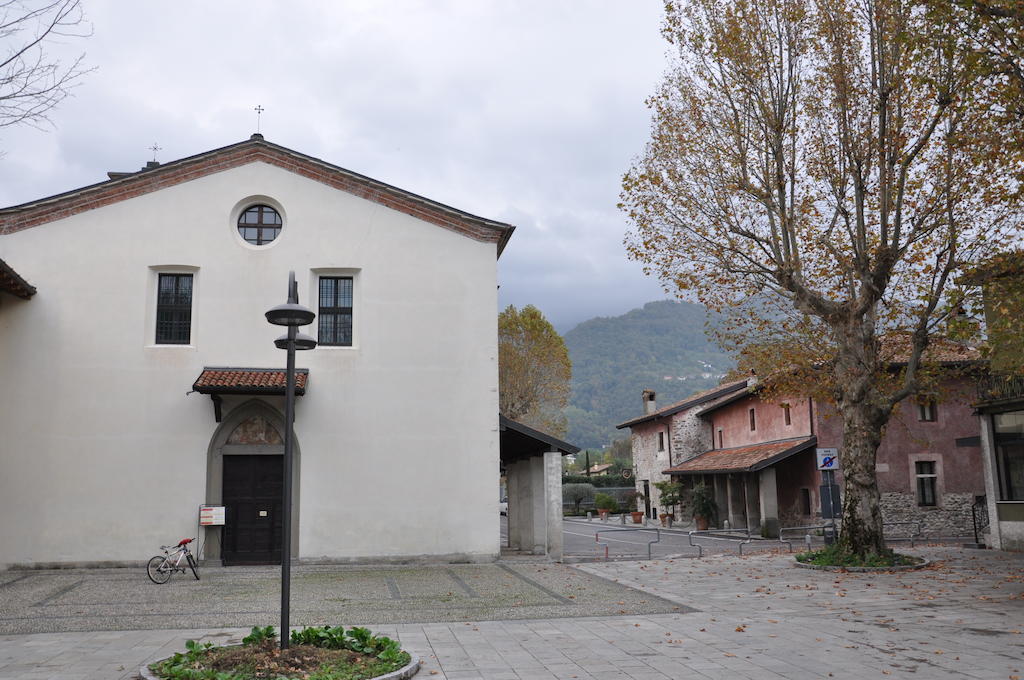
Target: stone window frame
(940, 483)
(353, 273)
(267, 227)
(174, 309)
(154, 273)
(242, 206)
(661, 440)
(927, 411)
(786, 415)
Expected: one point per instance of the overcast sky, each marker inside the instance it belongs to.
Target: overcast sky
(522, 111)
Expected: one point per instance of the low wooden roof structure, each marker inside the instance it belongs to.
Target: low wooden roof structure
(520, 441)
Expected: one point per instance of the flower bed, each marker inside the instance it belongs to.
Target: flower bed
(834, 557)
(317, 653)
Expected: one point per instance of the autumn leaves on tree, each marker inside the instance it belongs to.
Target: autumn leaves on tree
(823, 172)
(533, 370)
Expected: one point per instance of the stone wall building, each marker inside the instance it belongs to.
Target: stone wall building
(664, 437)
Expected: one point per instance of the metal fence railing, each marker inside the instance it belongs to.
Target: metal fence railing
(657, 538)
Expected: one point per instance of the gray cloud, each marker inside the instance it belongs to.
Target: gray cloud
(527, 112)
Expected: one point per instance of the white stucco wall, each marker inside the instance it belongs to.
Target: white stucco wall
(104, 456)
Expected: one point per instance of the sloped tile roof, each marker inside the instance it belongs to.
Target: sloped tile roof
(743, 458)
(123, 186)
(695, 399)
(895, 348)
(248, 381)
(12, 283)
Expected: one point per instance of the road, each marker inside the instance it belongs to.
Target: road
(629, 541)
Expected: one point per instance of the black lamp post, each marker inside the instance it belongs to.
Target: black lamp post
(292, 315)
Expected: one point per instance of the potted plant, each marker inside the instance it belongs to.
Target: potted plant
(703, 504)
(671, 496)
(605, 504)
(633, 498)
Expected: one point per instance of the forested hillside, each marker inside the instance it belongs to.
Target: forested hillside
(662, 346)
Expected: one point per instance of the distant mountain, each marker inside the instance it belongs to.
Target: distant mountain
(662, 347)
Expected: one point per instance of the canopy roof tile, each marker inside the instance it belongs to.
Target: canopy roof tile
(743, 458)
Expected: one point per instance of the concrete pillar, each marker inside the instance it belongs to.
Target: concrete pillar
(769, 496)
(753, 501)
(737, 508)
(516, 504)
(538, 507)
(553, 491)
(721, 497)
(988, 457)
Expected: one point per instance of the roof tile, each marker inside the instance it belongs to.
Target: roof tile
(742, 458)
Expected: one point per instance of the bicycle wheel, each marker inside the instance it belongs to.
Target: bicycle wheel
(194, 564)
(158, 569)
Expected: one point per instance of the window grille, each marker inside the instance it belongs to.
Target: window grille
(259, 225)
(174, 309)
(336, 311)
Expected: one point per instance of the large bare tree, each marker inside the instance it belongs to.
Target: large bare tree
(33, 79)
(824, 169)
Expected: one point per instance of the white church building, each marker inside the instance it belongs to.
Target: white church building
(140, 379)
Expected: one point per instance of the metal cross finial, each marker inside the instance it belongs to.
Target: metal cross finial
(259, 113)
(154, 149)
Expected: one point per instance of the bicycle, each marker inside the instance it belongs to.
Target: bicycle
(160, 567)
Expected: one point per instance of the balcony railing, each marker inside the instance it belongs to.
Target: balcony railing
(1001, 387)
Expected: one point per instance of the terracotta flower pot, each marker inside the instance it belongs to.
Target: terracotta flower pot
(638, 517)
(702, 523)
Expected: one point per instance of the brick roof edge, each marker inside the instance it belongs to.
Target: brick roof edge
(13, 283)
(254, 149)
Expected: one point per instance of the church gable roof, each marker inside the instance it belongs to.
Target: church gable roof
(254, 149)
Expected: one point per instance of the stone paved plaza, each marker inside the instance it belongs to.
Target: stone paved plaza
(750, 617)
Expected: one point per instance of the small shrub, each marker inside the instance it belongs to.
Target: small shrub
(576, 494)
(604, 501)
(258, 635)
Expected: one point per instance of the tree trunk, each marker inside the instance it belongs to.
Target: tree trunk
(863, 423)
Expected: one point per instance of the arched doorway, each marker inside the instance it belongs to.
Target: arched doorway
(245, 474)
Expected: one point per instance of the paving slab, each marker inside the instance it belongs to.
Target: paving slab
(124, 599)
(753, 617)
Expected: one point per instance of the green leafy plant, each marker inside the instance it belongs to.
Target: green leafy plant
(184, 665)
(702, 502)
(605, 501)
(360, 640)
(671, 494)
(379, 655)
(836, 555)
(258, 635)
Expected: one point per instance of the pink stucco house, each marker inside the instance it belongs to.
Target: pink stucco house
(759, 456)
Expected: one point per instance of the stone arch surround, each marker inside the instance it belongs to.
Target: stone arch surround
(221, 445)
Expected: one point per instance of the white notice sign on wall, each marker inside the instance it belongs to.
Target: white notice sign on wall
(211, 515)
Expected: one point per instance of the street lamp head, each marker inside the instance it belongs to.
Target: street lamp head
(290, 314)
(302, 341)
